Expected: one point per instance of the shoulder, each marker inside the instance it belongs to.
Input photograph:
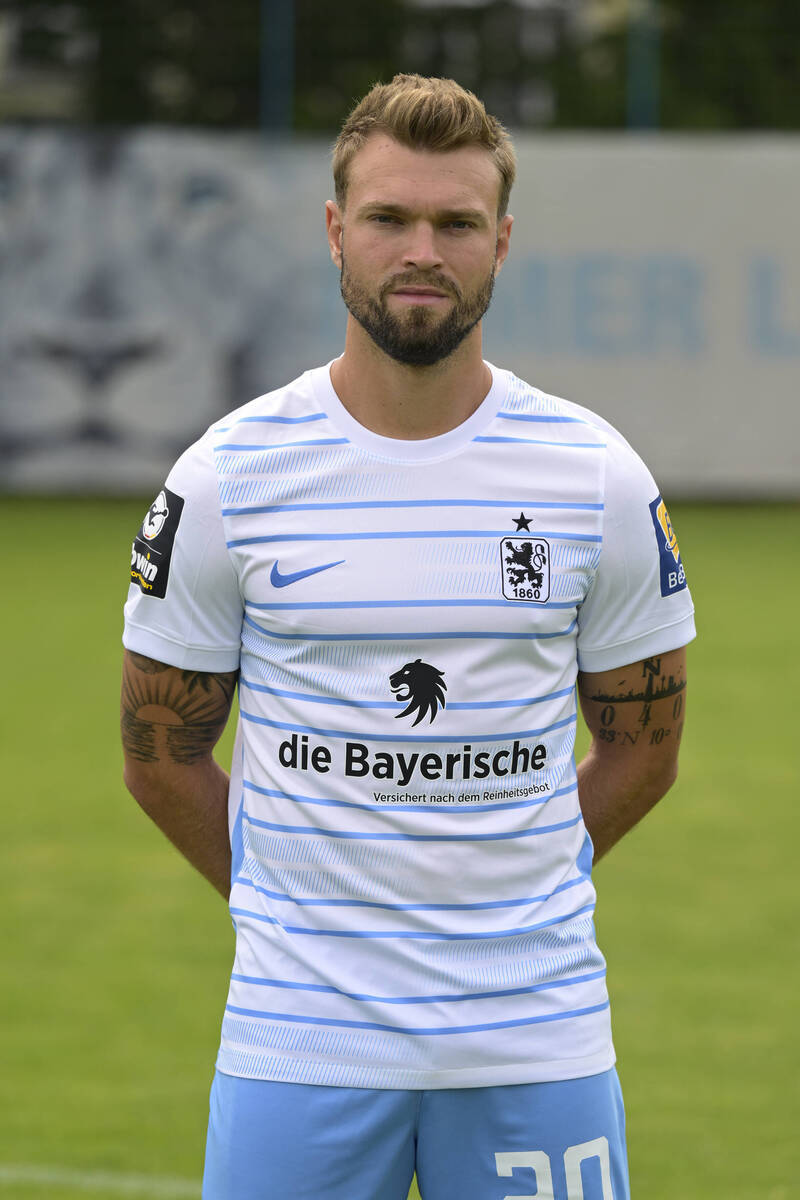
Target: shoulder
(524, 401)
(275, 417)
(567, 422)
(294, 405)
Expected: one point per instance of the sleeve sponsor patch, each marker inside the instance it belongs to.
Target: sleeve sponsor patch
(673, 576)
(152, 547)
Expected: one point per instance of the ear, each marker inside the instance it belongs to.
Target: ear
(503, 238)
(334, 226)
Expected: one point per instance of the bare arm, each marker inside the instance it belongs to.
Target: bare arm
(635, 716)
(171, 720)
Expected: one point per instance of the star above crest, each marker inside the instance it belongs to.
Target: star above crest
(522, 522)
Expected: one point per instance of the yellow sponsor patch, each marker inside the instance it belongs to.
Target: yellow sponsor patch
(671, 541)
(672, 574)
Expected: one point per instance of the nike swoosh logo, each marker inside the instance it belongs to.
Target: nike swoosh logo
(278, 580)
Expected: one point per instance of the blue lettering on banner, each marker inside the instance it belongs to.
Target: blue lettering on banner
(673, 576)
(768, 297)
(671, 291)
(603, 305)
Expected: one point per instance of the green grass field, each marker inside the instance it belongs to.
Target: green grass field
(116, 954)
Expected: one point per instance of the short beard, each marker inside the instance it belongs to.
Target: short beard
(416, 341)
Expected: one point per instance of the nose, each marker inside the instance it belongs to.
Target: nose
(421, 250)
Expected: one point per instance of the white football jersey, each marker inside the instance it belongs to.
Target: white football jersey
(412, 889)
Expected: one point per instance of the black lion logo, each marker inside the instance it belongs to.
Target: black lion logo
(524, 564)
(420, 684)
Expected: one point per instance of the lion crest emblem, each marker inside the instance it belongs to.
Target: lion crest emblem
(526, 569)
(420, 687)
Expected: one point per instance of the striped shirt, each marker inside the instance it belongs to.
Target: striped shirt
(411, 888)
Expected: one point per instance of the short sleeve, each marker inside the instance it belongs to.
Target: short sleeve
(184, 605)
(639, 603)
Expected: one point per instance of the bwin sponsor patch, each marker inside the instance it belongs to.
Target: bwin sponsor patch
(673, 576)
(152, 547)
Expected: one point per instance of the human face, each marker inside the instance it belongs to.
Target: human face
(418, 246)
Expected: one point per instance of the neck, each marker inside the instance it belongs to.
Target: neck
(409, 403)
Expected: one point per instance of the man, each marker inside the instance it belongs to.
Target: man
(410, 557)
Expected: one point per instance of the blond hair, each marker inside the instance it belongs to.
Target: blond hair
(424, 114)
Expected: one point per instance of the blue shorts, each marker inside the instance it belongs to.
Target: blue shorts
(537, 1141)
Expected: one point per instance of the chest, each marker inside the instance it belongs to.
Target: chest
(494, 539)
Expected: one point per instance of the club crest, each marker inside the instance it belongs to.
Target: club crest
(525, 564)
(421, 688)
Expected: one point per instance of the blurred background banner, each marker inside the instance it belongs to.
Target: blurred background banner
(153, 279)
(150, 281)
(657, 282)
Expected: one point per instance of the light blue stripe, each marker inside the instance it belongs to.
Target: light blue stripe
(352, 505)
(371, 935)
(489, 904)
(554, 604)
(392, 704)
(320, 416)
(409, 737)
(270, 420)
(347, 835)
(531, 802)
(405, 534)
(283, 445)
(306, 698)
(420, 1031)
(401, 637)
(445, 997)
(543, 418)
(536, 442)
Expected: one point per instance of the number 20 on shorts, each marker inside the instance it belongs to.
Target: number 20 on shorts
(539, 1162)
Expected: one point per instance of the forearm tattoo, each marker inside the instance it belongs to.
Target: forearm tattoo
(648, 706)
(170, 713)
